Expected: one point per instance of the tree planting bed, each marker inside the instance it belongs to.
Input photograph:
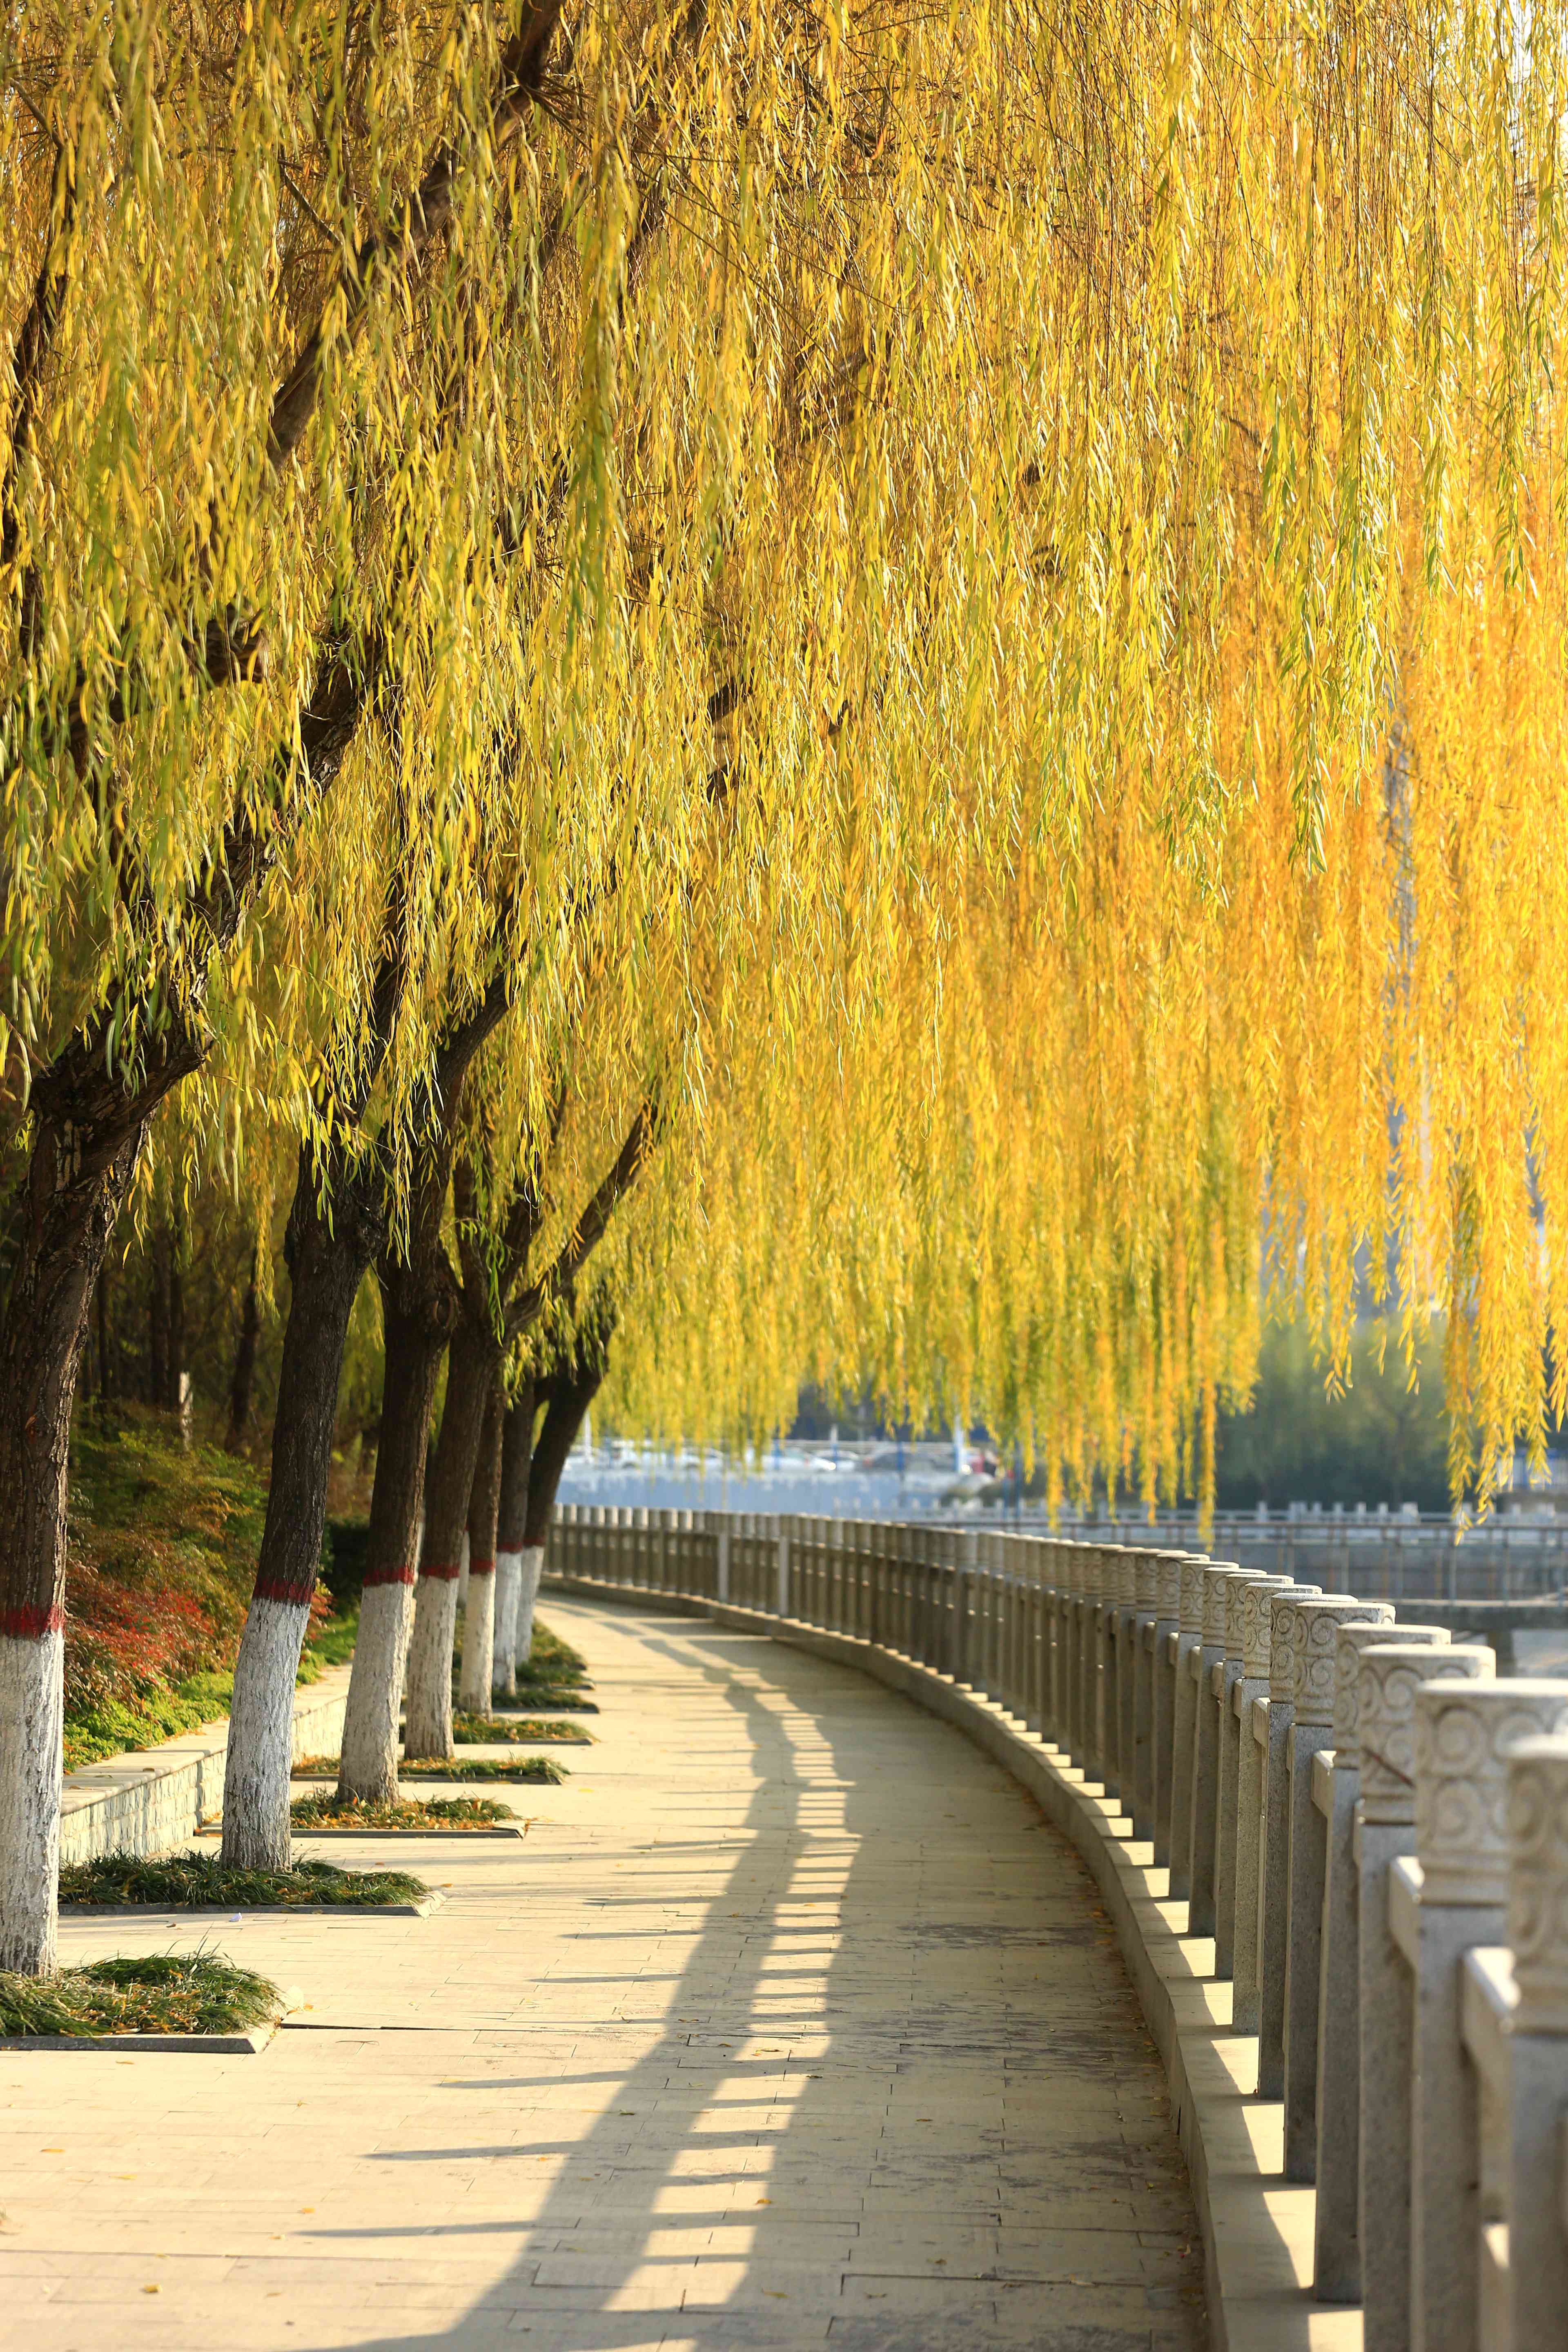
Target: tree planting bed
(203, 1882)
(193, 2002)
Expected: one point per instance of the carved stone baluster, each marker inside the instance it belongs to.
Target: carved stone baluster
(1138, 1711)
(1251, 1790)
(1167, 1625)
(1314, 1625)
(1115, 1575)
(1189, 1641)
(1538, 2133)
(1226, 1678)
(1074, 1558)
(1094, 1573)
(1464, 1732)
(1242, 1686)
(1336, 2268)
(1217, 1576)
(1385, 1741)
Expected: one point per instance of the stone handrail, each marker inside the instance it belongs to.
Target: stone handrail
(1370, 1824)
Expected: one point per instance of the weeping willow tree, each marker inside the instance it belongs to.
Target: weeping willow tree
(1098, 476)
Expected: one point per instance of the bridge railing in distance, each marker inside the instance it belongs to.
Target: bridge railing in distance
(1368, 1820)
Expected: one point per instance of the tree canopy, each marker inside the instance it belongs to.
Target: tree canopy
(966, 604)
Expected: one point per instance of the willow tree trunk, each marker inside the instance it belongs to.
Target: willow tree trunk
(427, 1727)
(416, 1318)
(484, 1502)
(244, 1379)
(512, 1515)
(77, 1179)
(570, 1393)
(159, 1271)
(328, 1256)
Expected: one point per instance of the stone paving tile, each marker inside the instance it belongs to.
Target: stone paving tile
(789, 2023)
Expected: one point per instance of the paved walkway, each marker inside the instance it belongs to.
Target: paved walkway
(790, 2022)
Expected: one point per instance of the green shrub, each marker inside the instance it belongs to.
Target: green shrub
(163, 1551)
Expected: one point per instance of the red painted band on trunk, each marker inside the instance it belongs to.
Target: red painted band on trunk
(481, 1567)
(30, 1625)
(288, 1594)
(440, 1575)
(389, 1575)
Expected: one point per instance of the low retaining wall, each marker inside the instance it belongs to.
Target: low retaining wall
(154, 1799)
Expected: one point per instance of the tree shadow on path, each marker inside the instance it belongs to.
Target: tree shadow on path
(898, 2094)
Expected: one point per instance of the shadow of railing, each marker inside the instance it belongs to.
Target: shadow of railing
(945, 2139)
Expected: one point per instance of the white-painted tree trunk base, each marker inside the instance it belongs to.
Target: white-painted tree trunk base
(463, 1575)
(368, 1767)
(427, 1714)
(509, 1580)
(32, 1721)
(478, 1643)
(531, 1568)
(261, 1736)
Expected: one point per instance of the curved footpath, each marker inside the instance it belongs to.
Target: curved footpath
(790, 2022)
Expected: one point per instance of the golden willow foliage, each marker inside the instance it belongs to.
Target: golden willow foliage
(973, 603)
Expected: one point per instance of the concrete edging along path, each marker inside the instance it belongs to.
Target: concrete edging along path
(1257, 2229)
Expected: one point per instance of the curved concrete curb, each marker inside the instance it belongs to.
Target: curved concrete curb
(1257, 2226)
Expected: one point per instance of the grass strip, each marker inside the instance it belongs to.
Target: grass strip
(324, 1812)
(166, 1992)
(570, 1701)
(551, 1660)
(204, 1882)
(514, 1731)
(451, 1768)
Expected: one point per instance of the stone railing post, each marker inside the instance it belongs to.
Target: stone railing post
(1224, 1678)
(1092, 1560)
(1046, 1550)
(1314, 1628)
(1137, 1708)
(1070, 1738)
(966, 1557)
(1251, 1795)
(781, 1593)
(1050, 1630)
(1240, 1612)
(1035, 1676)
(1073, 1560)
(1218, 1575)
(1274, 1866)
(1389, 1675)
(1537, 2155)
(1189, 1642)
(1097, 1574)
(1464, 1732)
(1114, 1577)
(1167, 1624)
(1336, 2265)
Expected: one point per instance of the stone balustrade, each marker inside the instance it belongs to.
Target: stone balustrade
(1367, 1824)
